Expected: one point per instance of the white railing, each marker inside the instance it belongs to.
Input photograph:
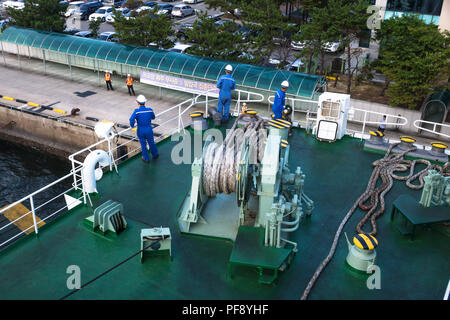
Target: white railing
(364, 119)
(37, 209)
(181, 109)
(76, 177)
(296, 121)
(436, 125)
(247, 99)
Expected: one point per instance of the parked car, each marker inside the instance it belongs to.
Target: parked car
(182, 10)
(181, 48)
(72, 8)
(165, 8)
(108, 36)
(144, 8)
(13, 4)
(71, 31)
(3, 24)
(118, 3)
(84, 34)
(181, 33)
(123, 12)
(192, 1)
(332, 46)
(293, 66)
(150, 4)
(101, 13)
(168, 0)
(87, 9)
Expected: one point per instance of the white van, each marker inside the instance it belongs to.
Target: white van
(73, 6)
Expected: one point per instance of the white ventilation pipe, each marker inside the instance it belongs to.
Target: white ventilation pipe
(90, 175)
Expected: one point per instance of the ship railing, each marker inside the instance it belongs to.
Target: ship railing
(366, 117)
(246, 96)
(175, 123)
(38, 210)
(437, 127)
(309, 115)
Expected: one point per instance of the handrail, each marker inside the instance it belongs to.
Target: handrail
(270, 101)
(33, 209)
(36, 192)
(77, 166)
(368, 112)
(249, 94)
(435, 124)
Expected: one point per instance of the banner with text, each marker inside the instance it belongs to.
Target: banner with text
(180, 84)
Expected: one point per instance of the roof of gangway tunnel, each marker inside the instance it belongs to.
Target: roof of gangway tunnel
(246, 75)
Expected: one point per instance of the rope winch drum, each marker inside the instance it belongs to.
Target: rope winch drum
(226, 167)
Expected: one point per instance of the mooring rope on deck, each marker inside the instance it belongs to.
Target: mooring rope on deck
(221, 162)
(383, 168)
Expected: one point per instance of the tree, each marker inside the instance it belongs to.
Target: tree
(350, 18)
(315, 34)
(94, 26)
(219, 42)
(144, 28)
(270, 28)
(133, 4)
(339, 20)
(414, 57)
(45, 15)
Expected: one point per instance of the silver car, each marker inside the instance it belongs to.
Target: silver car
(182, 10)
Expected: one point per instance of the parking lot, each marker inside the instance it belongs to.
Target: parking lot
(74, 23)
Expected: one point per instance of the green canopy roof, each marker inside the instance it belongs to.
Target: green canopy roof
(246, 75)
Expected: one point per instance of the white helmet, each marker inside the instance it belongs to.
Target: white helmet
(128, 75)
(141, 99)
(285, 84)
(229, 68)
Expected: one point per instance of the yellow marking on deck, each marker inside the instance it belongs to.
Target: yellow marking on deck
(60, 111)
(332, 78)
(26, 222)
(439, 145)
(107, 121)
(33, 104)
(407, 139)
(8, 98)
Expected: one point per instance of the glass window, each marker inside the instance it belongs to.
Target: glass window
(432, 7)
(364, 38)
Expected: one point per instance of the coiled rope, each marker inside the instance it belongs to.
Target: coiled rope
(383, 168)
(221, 162)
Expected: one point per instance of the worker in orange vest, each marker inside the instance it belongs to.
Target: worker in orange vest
(108, 80)
(130, 84)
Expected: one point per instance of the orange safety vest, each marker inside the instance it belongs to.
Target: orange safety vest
(107, 76)
(129, 81)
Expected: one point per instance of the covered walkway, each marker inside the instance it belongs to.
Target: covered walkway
(122, 59)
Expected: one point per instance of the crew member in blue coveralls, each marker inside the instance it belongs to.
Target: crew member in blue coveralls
(278, 102)
(226, 83)
(144, 117)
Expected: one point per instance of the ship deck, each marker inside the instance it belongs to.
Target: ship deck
(336, 174)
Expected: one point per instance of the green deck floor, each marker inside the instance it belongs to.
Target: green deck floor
(35, 267)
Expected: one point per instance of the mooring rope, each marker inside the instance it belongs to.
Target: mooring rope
(383, 168)
(221, 162)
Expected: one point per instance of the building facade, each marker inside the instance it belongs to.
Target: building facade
(431, 11)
